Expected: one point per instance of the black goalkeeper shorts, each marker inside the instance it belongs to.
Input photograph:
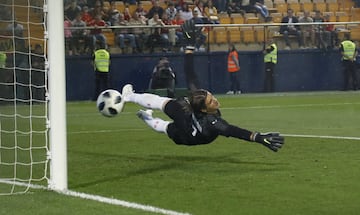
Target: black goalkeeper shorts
(180, 130)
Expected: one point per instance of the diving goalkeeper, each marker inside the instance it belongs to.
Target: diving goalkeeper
(196, 119)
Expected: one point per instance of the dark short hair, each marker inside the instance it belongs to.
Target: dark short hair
(197, 99)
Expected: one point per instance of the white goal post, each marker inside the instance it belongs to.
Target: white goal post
(57, 89)
(33, 145)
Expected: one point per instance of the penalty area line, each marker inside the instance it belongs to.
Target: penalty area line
(97, 198)
(321, 136)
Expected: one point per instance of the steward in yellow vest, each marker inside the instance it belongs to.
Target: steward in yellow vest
(3, 58)
(348, 56)
(270, 60)
(101, 62)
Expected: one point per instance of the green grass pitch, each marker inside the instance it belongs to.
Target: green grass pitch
(124, 159)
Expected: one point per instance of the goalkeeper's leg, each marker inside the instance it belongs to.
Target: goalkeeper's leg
(147, 100)
(156, 124)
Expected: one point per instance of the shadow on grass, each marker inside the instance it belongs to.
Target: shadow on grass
(190, 164)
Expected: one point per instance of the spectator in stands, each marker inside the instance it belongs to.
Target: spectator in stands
(221, 5)
(330, 34)
(98, 10)
(140, 11)
(261, 8)
(155, 38)
(127, 14)
(211, 13)
(82, 3)
(348, 52)
(92, 3)
(319, 30)
(171, 11)
(307, 30)
(178, 31)
(234, 7)
(5, 14)
(113, 14)
(128, 2)
(78, 35)
(167, 33)
(71, 10)
(141, 34)
(247, 6)
(199, 7)
(155, 9)
(96, 32)
(86, 15)
(17, 30)
(68, 37)
(123, 34)
(186, 12)
(291, 29)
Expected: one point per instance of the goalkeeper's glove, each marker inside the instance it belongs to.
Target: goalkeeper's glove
(189, 32)
(271, 140)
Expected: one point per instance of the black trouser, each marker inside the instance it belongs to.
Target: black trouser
(350, 77)
(269, 77)
(101, 83)
(234, 82)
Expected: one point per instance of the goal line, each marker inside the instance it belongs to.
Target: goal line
(101, 199)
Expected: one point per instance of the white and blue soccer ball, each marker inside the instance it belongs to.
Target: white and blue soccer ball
(110, 103)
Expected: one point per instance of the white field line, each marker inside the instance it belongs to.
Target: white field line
(321, 136)
(244, 108)
(101, 199)
(290, 106)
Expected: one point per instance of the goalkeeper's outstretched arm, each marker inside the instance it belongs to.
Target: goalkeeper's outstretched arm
(191, 77)
(189, 32)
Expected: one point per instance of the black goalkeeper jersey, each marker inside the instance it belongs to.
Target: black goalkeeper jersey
(199, 128)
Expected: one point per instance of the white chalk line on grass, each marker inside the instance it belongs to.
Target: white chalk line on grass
(321, 136)
(101, 199)
(290, 106)
(285, 135)
(246, 107)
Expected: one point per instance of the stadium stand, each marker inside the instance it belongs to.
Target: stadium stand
(332, 5)
(260, 34)
(307, 5)
(320, 5)
(342, 16)
(294, 5)
(237, 19)
(338, 11)
(221, 35)
(248, 34)
(224, 19)
(234, 34)
(281, 6)
(252, 20)
(331, 15)
(31, 30)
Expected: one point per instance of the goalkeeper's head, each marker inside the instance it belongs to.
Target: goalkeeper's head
(203, 101)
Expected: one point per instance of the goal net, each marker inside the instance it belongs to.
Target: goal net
(24, 149)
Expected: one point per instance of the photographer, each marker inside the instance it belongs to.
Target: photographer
(163, 77)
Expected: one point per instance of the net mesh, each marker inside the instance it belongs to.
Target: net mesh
(23, 101)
